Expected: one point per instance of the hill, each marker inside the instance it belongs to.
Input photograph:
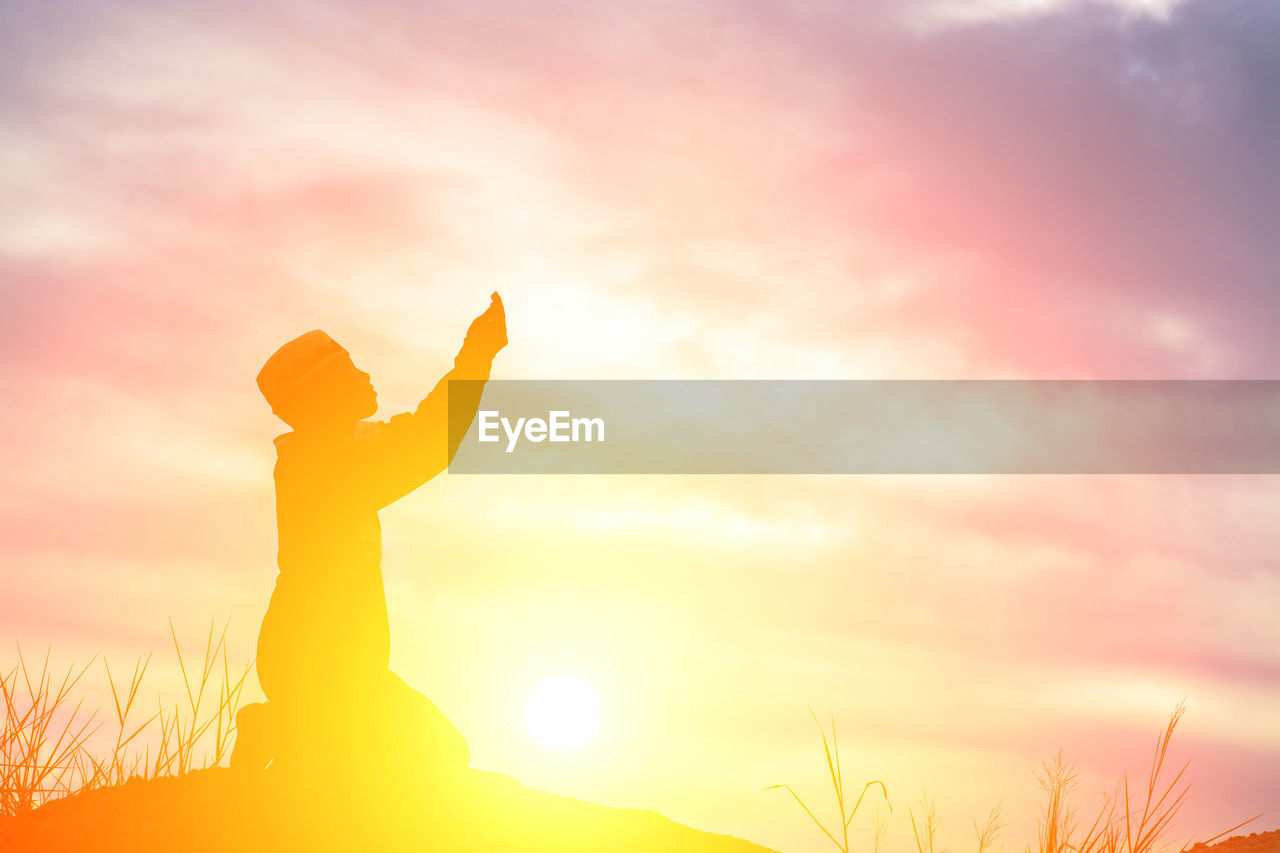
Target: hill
(1254, 842)
(277, 810)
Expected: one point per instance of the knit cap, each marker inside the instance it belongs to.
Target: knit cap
(291, 366)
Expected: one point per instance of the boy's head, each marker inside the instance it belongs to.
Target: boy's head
(311, 382)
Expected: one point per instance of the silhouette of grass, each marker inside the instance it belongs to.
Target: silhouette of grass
(44, 754)
(1119, 826)
(1123, 824)
(44, 747)
(879, 828)
(832, 750)
(40, 738)
(987, 835)
(927, 831)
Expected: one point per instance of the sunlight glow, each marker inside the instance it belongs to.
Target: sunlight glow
(562, 713)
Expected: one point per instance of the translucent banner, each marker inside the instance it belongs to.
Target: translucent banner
(872, 427)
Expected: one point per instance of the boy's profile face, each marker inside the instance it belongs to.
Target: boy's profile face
(311, 382)
(341, 392)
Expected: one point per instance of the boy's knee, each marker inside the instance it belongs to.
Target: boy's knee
(254, 744)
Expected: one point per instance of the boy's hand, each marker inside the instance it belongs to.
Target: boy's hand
(488, 332)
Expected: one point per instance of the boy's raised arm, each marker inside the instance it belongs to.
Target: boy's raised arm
(410, 449)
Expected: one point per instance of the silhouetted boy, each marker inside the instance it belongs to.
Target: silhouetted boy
(324, 646)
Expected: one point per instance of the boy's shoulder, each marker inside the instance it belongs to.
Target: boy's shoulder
(398, 424)
(300, 445)
(362, 430)
(295, 442)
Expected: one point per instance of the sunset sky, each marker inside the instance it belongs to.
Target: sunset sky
(704, 190)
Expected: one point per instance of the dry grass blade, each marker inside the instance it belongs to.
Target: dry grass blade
(987, 835)
(879, 827)
(1133, 830)
(182, 665)
(807, 811)
(117, 769)
(1101, 837)
(44, 743)
(1157, 812)
(929, 812)
(1057, 823)
(229, 701)
(1228, 831)
(884, 792)
(831, 750)
(188, 736)
(41, 738)
(62, 755)
(837, 778)
(164, 751)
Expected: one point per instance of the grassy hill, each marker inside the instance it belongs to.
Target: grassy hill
(219, 809)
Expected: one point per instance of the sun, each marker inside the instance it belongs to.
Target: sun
(562, 713)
